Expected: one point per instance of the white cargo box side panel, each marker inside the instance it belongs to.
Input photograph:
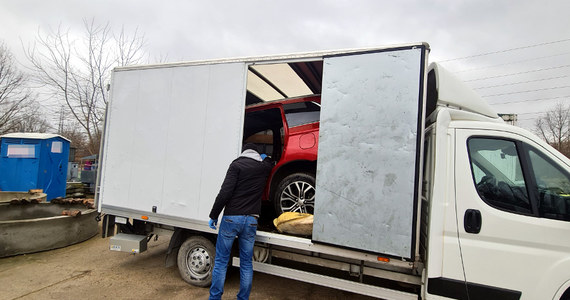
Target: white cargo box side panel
(367, 151)
(171, 133)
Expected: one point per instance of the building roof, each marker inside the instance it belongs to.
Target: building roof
(32, 135)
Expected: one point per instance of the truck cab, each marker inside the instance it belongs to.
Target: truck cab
(496, 199)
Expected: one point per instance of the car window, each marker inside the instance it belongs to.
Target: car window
(553, 187)
(302, 113)
(497, 174)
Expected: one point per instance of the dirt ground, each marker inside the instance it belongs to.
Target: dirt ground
(89, 270)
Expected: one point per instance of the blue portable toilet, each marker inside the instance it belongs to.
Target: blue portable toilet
(34, 161)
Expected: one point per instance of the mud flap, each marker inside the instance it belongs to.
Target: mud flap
(108, 226)
(172, 253)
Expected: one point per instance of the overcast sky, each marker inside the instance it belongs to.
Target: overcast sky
(523, 36)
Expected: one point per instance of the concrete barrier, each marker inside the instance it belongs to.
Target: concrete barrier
(9, 196)
(37, 227)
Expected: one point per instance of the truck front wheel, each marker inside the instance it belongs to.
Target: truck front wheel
(196, 261)
(295, 193)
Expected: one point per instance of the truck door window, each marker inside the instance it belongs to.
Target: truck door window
(497, 174)
(553, 185)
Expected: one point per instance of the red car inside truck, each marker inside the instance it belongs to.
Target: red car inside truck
(287, 131)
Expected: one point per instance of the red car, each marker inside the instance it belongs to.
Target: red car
(287, 131)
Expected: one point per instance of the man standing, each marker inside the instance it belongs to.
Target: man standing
(240, 197)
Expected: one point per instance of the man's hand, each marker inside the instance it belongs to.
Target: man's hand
(213, 223)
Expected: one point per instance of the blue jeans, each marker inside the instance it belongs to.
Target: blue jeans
(244, 227)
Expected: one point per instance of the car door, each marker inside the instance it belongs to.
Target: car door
(514, 245)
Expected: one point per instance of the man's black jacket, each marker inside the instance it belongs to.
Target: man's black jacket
(242, 188)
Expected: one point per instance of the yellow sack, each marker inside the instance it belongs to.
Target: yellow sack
(294, 223)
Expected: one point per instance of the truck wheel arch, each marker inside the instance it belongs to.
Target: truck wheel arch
(554, 284)
(176, 240)
(566, 295)
(563, 292)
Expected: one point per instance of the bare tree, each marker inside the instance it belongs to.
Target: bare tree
(554, 127)
(76, 73)
(77, 138)
(15, 96)
(32, 119)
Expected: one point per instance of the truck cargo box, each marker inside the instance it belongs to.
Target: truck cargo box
(173, 129)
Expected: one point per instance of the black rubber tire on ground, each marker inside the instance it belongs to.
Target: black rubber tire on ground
(196, 261)
(295, 192)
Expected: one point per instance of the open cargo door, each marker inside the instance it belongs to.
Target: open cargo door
(171, 133)
(369, 145)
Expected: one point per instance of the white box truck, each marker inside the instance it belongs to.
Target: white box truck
(421, 190)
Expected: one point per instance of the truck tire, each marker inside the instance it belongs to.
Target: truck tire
(196, 261)
(295, 193)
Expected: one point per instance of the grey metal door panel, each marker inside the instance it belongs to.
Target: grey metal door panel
(367, 151)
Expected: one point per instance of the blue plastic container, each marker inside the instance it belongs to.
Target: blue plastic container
(34, 161)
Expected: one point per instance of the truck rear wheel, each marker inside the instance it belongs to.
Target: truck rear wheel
(295, 193)
(196, 261)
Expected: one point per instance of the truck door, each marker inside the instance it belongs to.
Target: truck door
(368, 166)
(170, 134)
(513, 207)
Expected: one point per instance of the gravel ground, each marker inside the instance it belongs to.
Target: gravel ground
(89, 270)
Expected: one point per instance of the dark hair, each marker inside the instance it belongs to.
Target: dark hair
(251, 146)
